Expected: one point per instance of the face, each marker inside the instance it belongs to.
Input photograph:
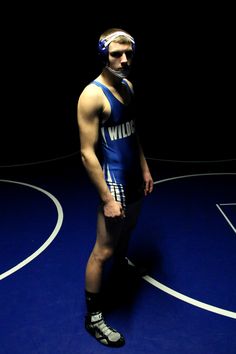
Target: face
(120, 55)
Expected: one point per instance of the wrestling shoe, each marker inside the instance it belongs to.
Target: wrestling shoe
(97, 327)
(125, 266)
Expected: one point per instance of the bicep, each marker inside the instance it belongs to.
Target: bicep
(88, 122)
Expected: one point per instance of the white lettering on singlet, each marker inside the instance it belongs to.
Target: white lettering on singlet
(121, 131)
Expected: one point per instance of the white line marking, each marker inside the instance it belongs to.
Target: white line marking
(226, 218)
(41, 161)
(188, 299)
(176, 294)
(191, 161)
(185, 298)
(196, 175)
(228, 204)
(48, 241)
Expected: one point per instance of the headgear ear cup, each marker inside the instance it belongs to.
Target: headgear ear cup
(102, 49)
(104, 43)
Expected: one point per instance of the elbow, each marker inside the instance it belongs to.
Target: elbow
(85, 156)
(88, 156)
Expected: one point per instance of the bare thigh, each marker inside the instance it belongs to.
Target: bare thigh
(110, 231)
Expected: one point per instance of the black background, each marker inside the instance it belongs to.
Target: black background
(183, 74)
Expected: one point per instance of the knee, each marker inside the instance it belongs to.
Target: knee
(102, 254)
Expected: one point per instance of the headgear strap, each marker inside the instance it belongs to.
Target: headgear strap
(108, 39)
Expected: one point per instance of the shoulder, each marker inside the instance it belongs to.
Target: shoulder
(91, 95)
(91, 91)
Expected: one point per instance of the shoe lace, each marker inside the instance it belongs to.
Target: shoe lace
(104, 328)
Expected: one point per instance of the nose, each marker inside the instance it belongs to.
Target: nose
(124, 58)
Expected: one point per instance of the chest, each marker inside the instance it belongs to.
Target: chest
(116, 105)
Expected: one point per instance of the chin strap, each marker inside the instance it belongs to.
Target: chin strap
(122, 74)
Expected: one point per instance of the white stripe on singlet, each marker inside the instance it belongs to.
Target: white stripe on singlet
(117, 191)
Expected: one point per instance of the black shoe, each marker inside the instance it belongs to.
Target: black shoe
(127, 267)
(97, 327)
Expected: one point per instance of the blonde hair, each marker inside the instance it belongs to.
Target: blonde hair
(122, 38)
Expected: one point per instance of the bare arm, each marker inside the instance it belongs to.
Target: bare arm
(147, 177)
(89, 106)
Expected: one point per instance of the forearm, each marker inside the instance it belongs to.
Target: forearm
(143, 161)
(95, 173)
(147, 177)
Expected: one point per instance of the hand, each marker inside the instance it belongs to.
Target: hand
(148, 183)
(113, 209)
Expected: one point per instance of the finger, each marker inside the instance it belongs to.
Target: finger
(151, 187)
(122, 213)
(146, 190)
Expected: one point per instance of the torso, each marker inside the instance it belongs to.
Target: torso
(118, 141)
(121, 93)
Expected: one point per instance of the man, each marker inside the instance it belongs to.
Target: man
(114, 160)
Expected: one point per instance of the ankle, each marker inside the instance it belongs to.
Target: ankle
(93, 302)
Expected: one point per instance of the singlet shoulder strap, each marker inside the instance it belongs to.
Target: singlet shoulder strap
(127, 85)
(110, 96)
(105, 90)
(99, 84)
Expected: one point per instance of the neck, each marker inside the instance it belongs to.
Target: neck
(109, 78)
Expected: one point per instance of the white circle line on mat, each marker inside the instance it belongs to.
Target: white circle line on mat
(179, 295)
(49, 239)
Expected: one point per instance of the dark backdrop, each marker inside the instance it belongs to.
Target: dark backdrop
(183, 75)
